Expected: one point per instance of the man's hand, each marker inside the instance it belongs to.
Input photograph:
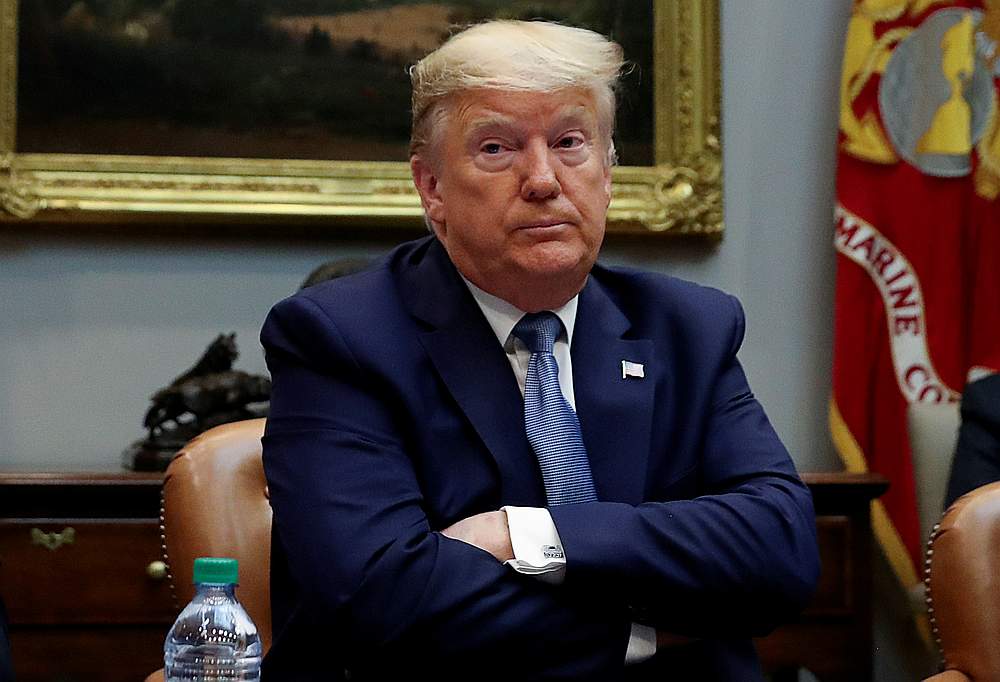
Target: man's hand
(487, 531)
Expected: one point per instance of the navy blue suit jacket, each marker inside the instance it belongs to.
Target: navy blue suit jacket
(395, 413)
(977, 454)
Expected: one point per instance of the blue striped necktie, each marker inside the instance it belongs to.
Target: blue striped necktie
(551, 424)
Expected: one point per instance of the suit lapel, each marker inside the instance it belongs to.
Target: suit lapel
(615, 412)
(469, 359)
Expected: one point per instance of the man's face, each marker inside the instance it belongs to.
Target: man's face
(518, 192)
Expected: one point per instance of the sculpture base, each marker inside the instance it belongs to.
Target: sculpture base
(144, 456)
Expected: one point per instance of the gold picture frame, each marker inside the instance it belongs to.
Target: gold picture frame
(680, 194)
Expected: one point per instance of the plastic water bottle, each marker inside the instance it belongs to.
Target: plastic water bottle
(213, 638)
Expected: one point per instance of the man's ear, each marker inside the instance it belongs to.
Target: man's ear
(610, 160)
(426, 181)
(607, 184)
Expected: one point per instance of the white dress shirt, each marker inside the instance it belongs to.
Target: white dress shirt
(533, 535)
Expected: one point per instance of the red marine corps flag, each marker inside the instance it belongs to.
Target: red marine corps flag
(917, 235)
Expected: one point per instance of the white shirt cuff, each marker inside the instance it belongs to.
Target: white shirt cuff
(641, 644)
(537, 548)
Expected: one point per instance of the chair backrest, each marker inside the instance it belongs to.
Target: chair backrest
(215, 504)
(933, 429)
(963, 584)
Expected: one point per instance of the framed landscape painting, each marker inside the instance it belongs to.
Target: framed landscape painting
(285, 111)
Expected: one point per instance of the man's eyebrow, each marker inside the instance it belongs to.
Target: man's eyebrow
(493, 122)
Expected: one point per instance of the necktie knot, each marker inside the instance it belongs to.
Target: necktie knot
(538, 331)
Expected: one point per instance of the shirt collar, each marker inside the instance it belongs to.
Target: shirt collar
(502, 316)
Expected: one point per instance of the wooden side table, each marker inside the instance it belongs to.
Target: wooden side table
(81, 575)
(833, 638)
(88, 601)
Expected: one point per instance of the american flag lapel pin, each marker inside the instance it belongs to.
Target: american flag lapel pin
(632, 369)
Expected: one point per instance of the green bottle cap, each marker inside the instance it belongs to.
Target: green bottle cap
(216, 570)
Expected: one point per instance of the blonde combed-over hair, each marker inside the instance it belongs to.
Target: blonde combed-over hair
(534, 56)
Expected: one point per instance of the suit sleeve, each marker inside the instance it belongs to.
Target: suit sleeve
(348, 507)
(977, 455)
(736, 560)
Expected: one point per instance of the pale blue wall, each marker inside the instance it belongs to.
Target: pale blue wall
(90, 327)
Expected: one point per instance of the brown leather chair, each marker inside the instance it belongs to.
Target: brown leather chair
(963, 587)
(215, 504)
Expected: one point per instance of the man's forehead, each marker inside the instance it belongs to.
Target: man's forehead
(487, 108)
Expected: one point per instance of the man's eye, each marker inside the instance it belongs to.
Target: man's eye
(569, 142)
(492, 148)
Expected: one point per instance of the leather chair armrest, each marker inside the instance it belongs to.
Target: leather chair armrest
(946, 676)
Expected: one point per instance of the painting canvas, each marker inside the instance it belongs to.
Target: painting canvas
(267, 113)
(272, 79)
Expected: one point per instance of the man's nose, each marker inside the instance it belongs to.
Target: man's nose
(539, 180)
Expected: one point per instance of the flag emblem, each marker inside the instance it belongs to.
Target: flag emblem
(632, 369)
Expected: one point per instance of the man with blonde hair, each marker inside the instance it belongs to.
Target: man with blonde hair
(490, 458)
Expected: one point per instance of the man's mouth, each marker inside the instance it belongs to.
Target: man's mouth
(544, 224)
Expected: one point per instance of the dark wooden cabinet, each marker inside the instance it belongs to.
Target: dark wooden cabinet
(78, 573)
(86, 598)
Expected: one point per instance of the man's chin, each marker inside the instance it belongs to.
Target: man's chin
(557, 255)
(553, 264)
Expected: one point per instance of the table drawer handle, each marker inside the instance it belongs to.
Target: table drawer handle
(52, 541)
(156, 570)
